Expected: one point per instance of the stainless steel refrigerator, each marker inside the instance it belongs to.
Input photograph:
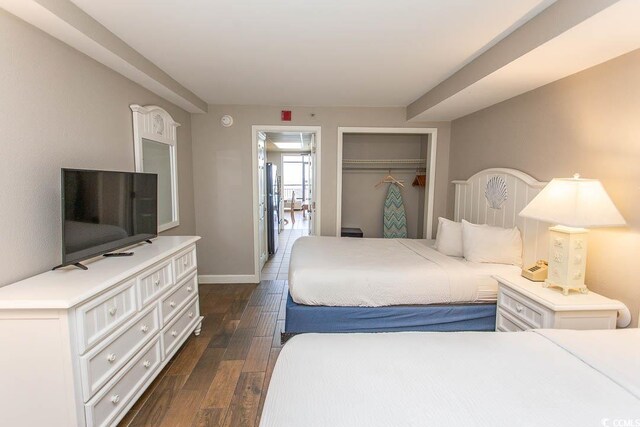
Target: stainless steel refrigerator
(273, 208)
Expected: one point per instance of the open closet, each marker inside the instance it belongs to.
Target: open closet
(371, 163)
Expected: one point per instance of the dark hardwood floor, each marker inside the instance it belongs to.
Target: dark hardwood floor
(220, 378)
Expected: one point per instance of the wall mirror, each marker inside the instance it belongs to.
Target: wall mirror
(155, 151)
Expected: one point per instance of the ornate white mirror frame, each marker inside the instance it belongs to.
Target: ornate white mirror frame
(154, 124)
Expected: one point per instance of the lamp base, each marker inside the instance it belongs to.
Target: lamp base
(567, 259)
(566, 288)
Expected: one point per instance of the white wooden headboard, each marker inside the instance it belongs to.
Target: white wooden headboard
(496, 197)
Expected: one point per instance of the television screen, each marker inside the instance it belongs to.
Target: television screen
(103, 211)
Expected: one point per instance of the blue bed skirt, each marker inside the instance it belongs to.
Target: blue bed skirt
(446, 317)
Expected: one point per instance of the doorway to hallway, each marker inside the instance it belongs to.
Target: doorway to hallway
(286, 163)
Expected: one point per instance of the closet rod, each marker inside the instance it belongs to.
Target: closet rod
(383, 161)
(385, 169)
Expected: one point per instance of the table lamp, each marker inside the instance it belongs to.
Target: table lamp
(573, 204)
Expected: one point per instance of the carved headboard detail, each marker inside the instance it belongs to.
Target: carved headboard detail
(495, 197)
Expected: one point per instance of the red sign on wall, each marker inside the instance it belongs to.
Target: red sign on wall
(285, 115)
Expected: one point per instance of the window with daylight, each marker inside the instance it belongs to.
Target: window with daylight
(296, 177)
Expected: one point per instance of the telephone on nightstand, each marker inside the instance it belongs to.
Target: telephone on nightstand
(537, 272)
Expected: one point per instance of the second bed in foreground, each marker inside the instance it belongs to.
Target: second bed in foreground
(536, 378)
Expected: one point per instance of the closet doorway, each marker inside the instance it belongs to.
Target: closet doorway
(286, 164)
(371, 156)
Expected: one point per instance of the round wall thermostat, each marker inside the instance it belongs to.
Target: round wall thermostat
(226, 120)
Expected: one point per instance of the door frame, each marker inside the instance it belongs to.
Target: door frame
(265, 235)
(427, 229)
(255, 129)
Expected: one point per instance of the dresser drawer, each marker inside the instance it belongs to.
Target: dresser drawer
(175, 301)
(174, 334)
(505, 322)
(114, 398)
(153, 282)
(185, 263)
(102, 315)
(101, 363)
(523, 309)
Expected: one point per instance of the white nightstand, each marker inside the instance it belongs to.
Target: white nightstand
(523, 304)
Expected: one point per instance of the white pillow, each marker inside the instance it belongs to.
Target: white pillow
(449, 237)
(483, 243)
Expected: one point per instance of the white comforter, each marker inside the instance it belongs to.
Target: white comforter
(336, 271)
(538, 378)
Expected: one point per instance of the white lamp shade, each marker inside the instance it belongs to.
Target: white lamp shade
(574, 202)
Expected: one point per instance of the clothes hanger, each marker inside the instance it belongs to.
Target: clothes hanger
(390, 179)
(420, 180)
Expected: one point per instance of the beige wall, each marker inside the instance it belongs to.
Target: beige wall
(587, 123)
(223, 175)
(362, 202)
(59, 109)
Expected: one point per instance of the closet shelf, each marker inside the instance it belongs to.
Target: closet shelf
(383, 161)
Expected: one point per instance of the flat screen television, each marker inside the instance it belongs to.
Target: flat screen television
(103, 211)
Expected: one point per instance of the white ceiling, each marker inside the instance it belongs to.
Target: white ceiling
(303, 138)
(606, 35)
(312, 52)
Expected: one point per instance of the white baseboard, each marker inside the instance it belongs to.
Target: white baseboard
(228, 278)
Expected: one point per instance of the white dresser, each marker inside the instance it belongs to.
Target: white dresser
(80, 347)
(523, 304)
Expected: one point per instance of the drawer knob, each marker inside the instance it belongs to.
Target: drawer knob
(189, 289)
(172, 304)
(146, 364)
(185, 262)
(144, 329)
(174, 333)
(111, 358)
(519, 308)
(115, 398)
(113, 311)
(156, 282)
(191, 314)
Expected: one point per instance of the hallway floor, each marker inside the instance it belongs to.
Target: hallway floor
(302, 223)
(277, 267)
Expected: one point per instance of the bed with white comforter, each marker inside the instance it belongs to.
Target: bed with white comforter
(332, 271)
(535, 378)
